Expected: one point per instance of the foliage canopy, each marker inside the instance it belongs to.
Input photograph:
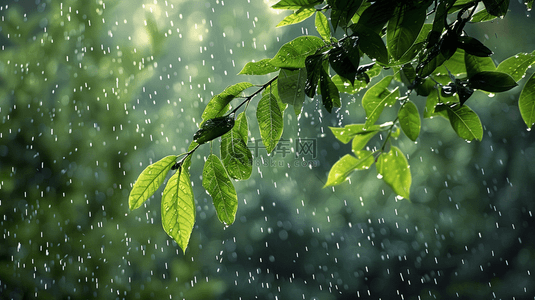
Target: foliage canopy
(413, 45)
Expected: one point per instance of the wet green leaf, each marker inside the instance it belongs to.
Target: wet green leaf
(295, 4)
(218, 105)
(375, 16)
(298, 16)
(292, 55)
(342, 11)
(348, 132)
(273, 89)
(322, 26)
(346, 165)
(270, 123)
(482, 16)
(372, 45)
(430, 103)
(496, 7)
(314, 64)
(149, 181)
(463, 120)
(406, 74)
(475, 64)
(218, 184)
(376, 98)
(455, 64)
(178, 208)
(344, 86)
(409, 120)
(526, 102)
(344, 58)
(329, 92)
(494, 82)
(237, 158)
(394, 169)
(403, 29)
(439, 21)
(291, 87)
(261, 67)
(517, 65)
(472, 46)
(213, 128)
(360, 140)
(416, 47)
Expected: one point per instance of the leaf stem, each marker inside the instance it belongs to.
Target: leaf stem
(248, 98)
(178, 164)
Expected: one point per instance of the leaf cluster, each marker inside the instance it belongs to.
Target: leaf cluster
(419, 47)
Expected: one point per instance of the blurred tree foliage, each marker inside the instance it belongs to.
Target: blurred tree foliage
(66, 132)
(66, 164)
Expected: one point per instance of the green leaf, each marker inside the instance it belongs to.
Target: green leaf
(529, 4)
(261, 67)
(342, 11)
(409, 120)
(270, 123)
(372, 45)
(475, 64)
(344, 58)
(295, 4)
(455, 64)
(149, 181)
(178, 208)
(363, 6)
(329, 92)
(439, 21)
(459, 4)
(218, 184)
(213, 128)
(376, 15)
(472, 46)
(463, 120)
(376, 98)
(346, 165)
(298, 16)
(345, 86)
(291, 87)
(430, 103)
(406, 74)
(274, 90)
(292, 55)
(218, 105)
(403, 29)
(314, 64)
(526, 102)
(428, 67)
(482, 16)
(360, 140)
(322, 26)
(237, 158)
(394, 169)
(496, 7)
(348, 132)
(517, 65)
(494, 82)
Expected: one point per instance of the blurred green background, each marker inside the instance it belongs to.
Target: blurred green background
(92, 92)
